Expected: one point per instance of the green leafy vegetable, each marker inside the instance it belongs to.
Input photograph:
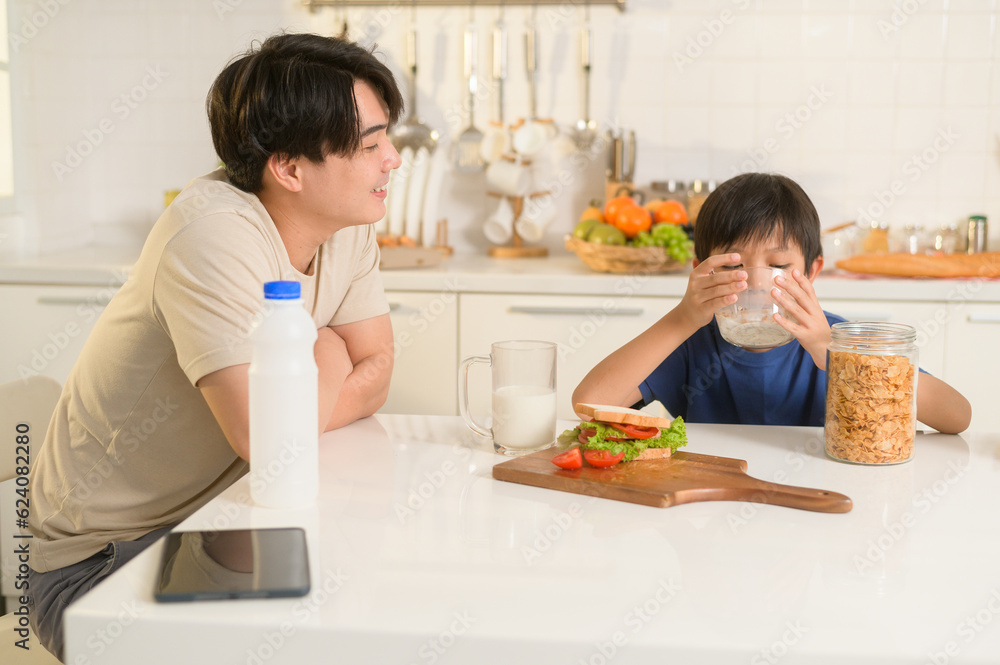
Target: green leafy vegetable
(672, 437)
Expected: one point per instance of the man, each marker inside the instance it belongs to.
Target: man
(153, 420)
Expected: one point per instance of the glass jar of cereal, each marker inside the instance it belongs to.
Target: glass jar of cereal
(871, 392)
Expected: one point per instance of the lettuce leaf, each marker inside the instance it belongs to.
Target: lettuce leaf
(672, 437)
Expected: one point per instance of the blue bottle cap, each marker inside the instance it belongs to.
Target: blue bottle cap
(285, 290)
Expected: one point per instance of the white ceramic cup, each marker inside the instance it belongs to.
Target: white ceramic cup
(499, 226)
(536, 214)
(524, 395)
(496, 143)
(530, 138)
(508, 178)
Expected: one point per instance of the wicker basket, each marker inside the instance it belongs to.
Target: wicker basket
(621, 259)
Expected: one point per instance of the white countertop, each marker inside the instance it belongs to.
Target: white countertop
(425, 558)
(557, 274)
(92, 265)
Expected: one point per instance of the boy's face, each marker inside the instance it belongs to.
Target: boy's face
(771, 252)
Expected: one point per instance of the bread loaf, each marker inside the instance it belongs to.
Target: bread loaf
(986, 264)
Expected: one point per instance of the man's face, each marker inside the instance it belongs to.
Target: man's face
(350, 190)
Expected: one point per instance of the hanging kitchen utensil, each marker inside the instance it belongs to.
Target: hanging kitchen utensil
(344, 29)
(585, 131)
(531, 62)
(467, 147)
(413, 133)
(529, 139)
(496, 142)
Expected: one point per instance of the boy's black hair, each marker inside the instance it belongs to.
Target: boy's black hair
(753, 207)
(293, 95)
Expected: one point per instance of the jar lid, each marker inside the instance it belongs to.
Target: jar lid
(872, 334)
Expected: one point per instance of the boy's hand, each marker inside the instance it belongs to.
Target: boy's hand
(810, 326)
(710, 289)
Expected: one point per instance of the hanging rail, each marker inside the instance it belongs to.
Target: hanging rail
(314, 5)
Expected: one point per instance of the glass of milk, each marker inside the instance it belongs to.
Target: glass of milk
(749, 322)
(524, 395)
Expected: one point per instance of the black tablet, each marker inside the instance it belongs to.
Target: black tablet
(242, 563)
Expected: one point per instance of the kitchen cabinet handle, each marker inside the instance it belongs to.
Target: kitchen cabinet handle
(73, 300)
(983, 318)
(576, 311)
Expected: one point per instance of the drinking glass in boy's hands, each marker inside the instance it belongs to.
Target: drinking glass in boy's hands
(684, 362)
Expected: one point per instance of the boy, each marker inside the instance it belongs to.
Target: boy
(754, 219)
(153, 420)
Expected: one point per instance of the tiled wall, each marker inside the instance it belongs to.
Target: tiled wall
(878, 108)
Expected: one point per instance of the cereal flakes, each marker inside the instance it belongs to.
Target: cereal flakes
(870, 407)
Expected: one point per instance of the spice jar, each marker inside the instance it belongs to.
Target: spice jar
(871, 392)
(671, 190)
(877, 239)
(946, 241)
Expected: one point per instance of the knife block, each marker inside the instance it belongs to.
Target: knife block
(517, 249)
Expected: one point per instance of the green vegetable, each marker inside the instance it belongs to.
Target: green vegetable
(673, 437)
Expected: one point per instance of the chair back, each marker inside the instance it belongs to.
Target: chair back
(25, 404)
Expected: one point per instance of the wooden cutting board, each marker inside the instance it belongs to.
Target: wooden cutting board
(682, 478)
(392, 258)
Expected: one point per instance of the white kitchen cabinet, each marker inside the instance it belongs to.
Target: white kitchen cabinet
(425, 331)
(45, 327)
(973, 359)
(925, 317)
(586, 328)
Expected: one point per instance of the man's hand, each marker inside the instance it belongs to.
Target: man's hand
(809, 326)
(710, 289)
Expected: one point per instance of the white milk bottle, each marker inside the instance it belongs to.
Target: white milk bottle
(284, 402)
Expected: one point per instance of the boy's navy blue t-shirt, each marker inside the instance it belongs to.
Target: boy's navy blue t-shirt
(708, 380)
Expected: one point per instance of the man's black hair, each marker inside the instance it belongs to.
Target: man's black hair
(293, 95)
(753, 207)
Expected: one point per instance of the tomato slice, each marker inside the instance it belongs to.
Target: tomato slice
(637, 431)
(571, 459)
(586, 434)
(602, 458)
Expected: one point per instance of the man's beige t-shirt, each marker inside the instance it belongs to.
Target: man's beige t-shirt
(133, 446)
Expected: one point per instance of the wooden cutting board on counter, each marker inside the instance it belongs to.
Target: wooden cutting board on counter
(985, 264)
(661, 483)
(395, 258)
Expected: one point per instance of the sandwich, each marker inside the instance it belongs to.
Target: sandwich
(618, 434)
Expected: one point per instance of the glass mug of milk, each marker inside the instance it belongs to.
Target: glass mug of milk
(524, 395)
